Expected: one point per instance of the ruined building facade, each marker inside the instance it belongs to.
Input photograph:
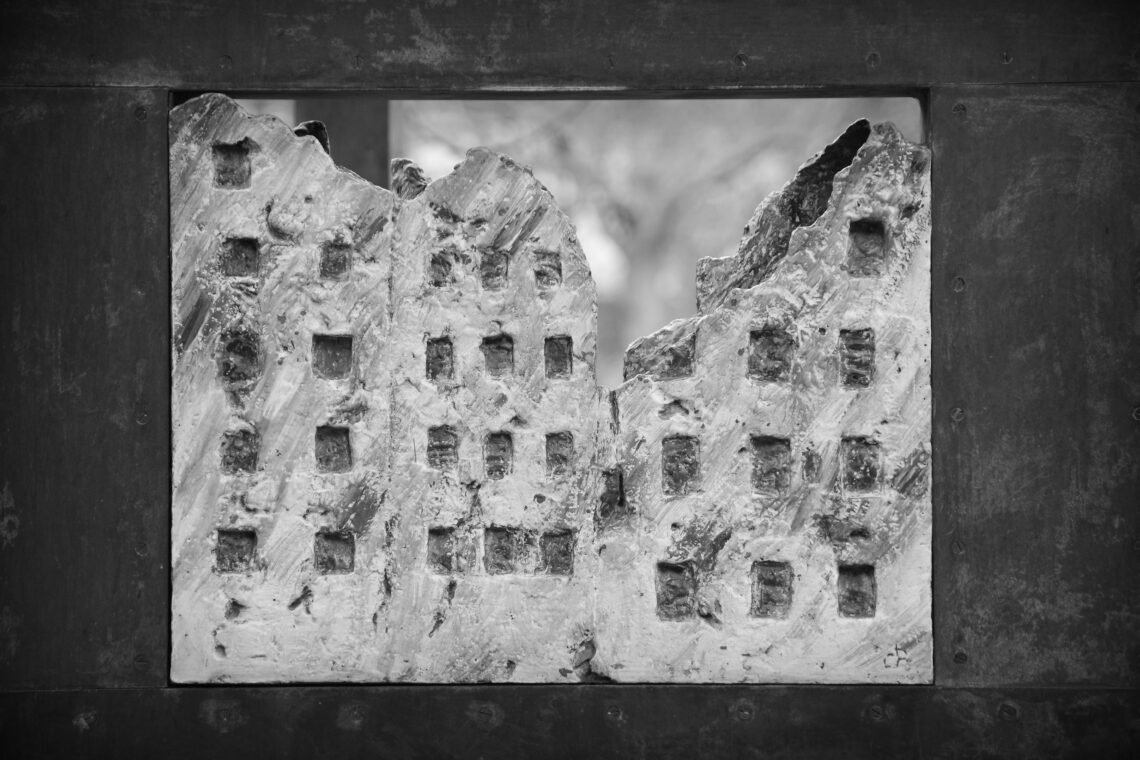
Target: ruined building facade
(392, 460)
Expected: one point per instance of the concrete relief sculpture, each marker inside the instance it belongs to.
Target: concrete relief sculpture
(392, 461)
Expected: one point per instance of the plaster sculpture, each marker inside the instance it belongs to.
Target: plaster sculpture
(392, 461)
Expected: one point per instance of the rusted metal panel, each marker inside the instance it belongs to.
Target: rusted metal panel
(1035, 369)
(84, 389)
(1037, 380)
(616, 46)
(585, 721)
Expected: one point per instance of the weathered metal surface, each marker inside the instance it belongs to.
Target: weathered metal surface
(1003, 515)
(394, 463)
(612, 47)
(84, 389)
(618, 722)
(1037, 384)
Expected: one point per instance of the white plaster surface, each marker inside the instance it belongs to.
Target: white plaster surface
(398, 615)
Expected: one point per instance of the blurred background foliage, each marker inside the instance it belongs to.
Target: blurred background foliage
(651, 185)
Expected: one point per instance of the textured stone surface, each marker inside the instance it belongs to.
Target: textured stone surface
(392, 460)
(808, 404)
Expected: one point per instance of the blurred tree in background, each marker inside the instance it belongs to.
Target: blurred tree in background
(651, 185)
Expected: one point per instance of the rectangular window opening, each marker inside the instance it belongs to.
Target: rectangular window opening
(771, 465)
(498, 455)
(770, 353)
(506, 551)
(493, 268)
(858, 595)
(676, 591)
(336, 260)
(232, 168)
(332, 356)
(239, 257)
(239, 451)
(333, 449)
(235, 551)
(559, 354)
(680, 465)
(334, 552)
(557, 552)
(860, 462)
(441, 550)
(547, 269)
(443, 448)
(771, 589)
(443, 268)
(239, 362)
(867, 248)
(857, 357)
(559, 453)
(499, 355)
(440, 359)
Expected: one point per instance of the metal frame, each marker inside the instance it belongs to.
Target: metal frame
(1033, 121)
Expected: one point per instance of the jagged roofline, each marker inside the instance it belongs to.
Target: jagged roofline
(801, 202)
(309, 131)
(437, 188)
(805, 197)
